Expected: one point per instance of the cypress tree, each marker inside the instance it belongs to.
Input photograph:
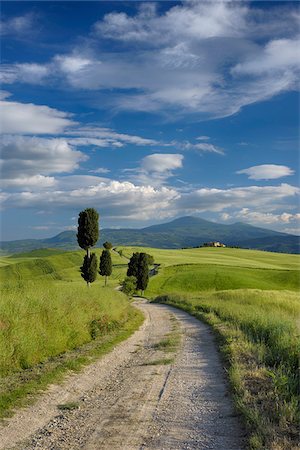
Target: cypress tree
(143, 272)
(89, 268)
(107, 245)
(87, 236)
(88, 229)
(105, 264)
(133, 265)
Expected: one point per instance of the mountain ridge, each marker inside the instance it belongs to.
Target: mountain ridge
(187, 231)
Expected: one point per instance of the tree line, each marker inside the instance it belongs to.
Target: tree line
(87, 237)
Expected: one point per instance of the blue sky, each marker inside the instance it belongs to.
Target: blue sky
(147, 112)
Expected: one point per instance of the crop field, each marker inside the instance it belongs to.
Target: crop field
(251, 300)
(46, 310)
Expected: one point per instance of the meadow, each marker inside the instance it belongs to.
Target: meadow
(47, 314)
(251, 300)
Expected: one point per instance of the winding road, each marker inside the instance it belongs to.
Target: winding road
(163, 388)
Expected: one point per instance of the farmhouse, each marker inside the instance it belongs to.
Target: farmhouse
(213, 244)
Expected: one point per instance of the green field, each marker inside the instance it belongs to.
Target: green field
(46, 311)
(251, 300)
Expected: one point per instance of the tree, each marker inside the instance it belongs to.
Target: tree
(133, 265)
(88, 229)
(89, 268)
(143, 272)
(87, 236)
(129, 285)
(107, 245)
(105, 265)
(150, 259)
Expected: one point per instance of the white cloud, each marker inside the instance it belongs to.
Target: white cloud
(266, 172)
(262, 218)
(30, 160)
(31, 73)
(159, 162)
(279, 54)
(17, 26)
(202, 147)
(203, 138)
(28, 118)
(29, 182)
(155, 169)
(262, 198)
(209, 56)
(122, 200)
(104, 137)
(100, 170)
(194, 20)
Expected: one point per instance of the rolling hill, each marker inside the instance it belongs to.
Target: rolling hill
(183, 232)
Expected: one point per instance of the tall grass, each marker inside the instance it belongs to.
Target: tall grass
(260, 340)
(42, 319)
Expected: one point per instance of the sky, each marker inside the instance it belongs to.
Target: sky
(147, 112)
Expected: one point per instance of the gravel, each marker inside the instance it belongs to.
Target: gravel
(124, 402)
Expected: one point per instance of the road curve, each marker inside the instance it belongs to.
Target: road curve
(139, 396)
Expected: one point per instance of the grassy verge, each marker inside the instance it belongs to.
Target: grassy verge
(258, 338)
(47, 328)
(21, 388)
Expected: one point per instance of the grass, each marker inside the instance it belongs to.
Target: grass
(49, 325)
(258, 337)
(220, 256)
(201, 277)
(250, 299)
(160, 362)
(50, 322)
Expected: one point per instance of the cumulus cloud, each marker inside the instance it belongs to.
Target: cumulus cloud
(266, 172)
(28, 118)
(158, 162)
(122, 200)
(128, 200)
(262, 218)
(156, 169)
(30, 160)
(265, 198)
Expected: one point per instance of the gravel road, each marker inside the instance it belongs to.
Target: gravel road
(142, 395)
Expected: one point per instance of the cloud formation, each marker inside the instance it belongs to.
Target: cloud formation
(213, 58)
(28, 118)
(29, 160)
(266, 172)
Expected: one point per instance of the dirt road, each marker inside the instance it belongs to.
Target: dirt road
(163, 388)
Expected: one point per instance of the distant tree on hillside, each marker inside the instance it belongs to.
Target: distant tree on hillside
(133, 265)
(87, 236)
(105, 265)
(143, 272)
(107, 245)
(89, 268)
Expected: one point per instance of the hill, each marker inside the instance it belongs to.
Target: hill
(183, 232)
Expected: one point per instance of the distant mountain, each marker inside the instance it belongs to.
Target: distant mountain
(183, 232)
